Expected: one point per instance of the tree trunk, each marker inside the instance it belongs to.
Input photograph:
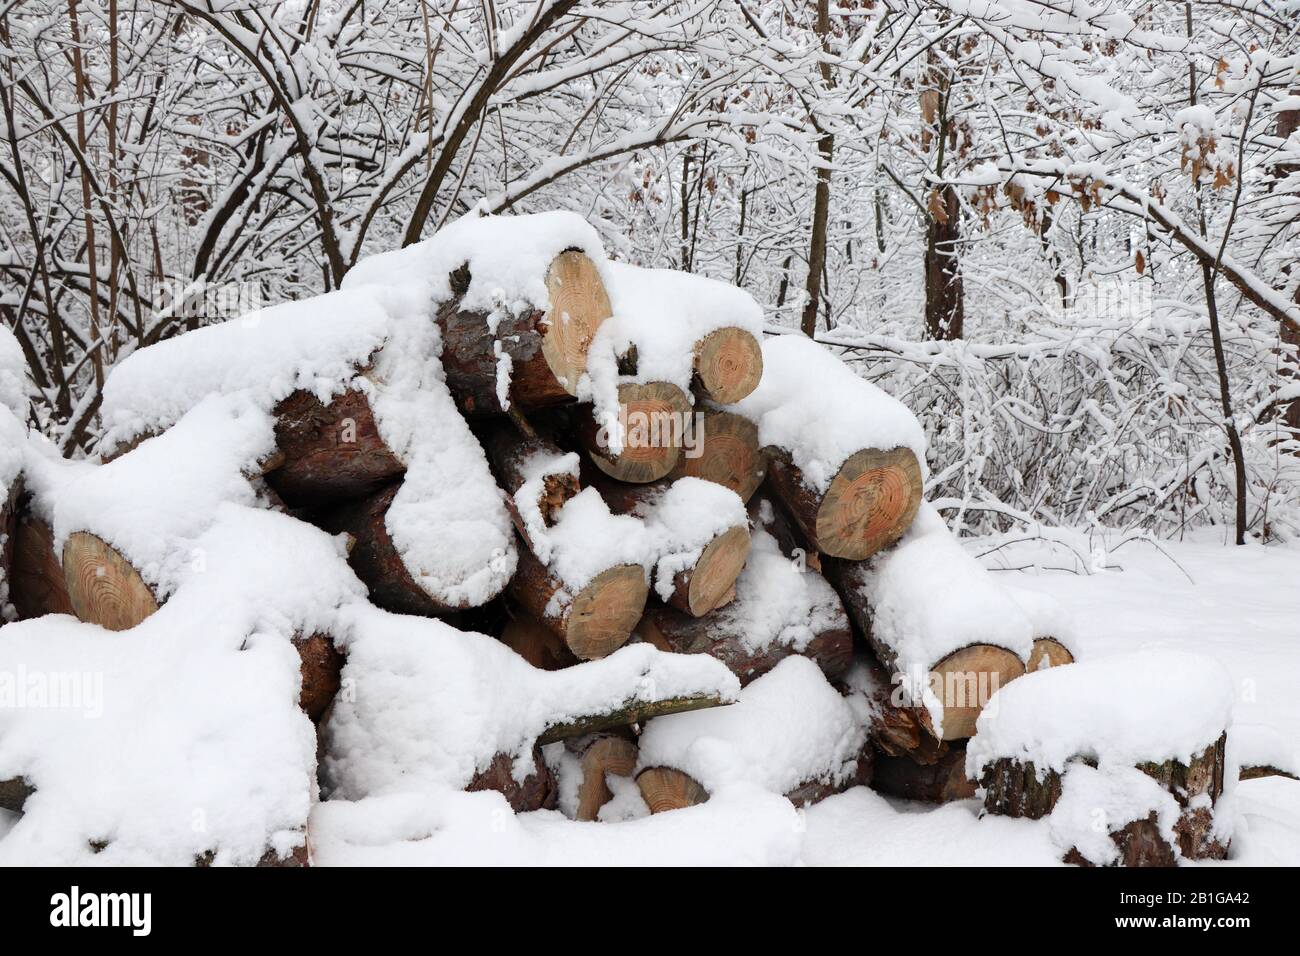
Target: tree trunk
(822, 192)
(868, 505)
(546, 351)
(945, 311)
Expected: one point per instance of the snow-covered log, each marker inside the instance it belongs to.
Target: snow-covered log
(1137, 740)
(536, 791)
(845, 458)
(791, 733)
(780, 609)
(1053, 630)
(944, 630)
(536, 475)
(895, 728)
(699, 537)
(645, 444)
(723, 449)
(585, 578)
(496, 358)
(591, 759)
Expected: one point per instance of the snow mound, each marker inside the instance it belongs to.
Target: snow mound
(429, 706)
(1096, 803)
(1119, 710)
(13, 375)
(790, 727)
(822, 426)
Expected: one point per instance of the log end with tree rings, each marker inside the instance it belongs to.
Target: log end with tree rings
(579, 304)
(870, 503)
(728, 364)
(1048, 652)
(712, 580)
(654, 416)
(605, 612)
(664, 788)
(103, 587)
(724, 449)
(965, 681)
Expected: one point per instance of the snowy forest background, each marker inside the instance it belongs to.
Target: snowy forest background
(1061, 232)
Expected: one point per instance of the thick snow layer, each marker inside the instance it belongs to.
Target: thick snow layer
(821, 412)
(13, 441)
(929, 598)
(587, 539)
(682, 521)
(1095, 803)
(13, 375)
(429, 706)
(1047, 616)
(664, 314)
(1259, 745)
(1120, 710)
(182, 735)
(790, 727)
(777, 602)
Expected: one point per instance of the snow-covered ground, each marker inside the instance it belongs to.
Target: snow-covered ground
(1239, 605)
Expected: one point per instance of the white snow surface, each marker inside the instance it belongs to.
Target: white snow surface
(665, 313)
(1122, 710)
(790, 727)
(683, 520)
(14, 387)
(430, 706)
(1095, 803)
(822, 426)
(587, 539)
(778, 602)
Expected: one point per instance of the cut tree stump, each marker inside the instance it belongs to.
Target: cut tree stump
(671, 630)
(328, 452)
(536, 643)
(728, 364)
(1017, 789)
(726, 452)
(664, 788)
(600, 754)
(547, 350)
(592, 623)
(103, 587)
(1048, 652)
(537, 792)
(655, 416)
(375, 558)
(941, 781)
(36, 583)
(868, 505)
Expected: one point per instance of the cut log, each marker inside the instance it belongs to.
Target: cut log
(37, 586)
(547, 351)
(671, 510)
(630, 712)
(598, 755)
(536, 792)
(942, 781)
(103, 587)
(896, 729)
(536, 643)
(655, 417)
(375, 558)
(1017, 789)
(664, 788)
(537, 476)
(962, 681)
(728, 364)
(868, 505)
(321, 670)
(723, 449)
(1048, 652)
(593, 622)
(670, 630)
(328, 452)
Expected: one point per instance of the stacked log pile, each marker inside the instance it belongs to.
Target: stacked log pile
(753, 501)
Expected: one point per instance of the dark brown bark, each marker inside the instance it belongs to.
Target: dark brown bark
(321, 670)
(537, 792)
(10, 499)
(814, 791)
(36, 584)
(671, 630)
(942, 781)
(329, 452)
(945, 310)
(822, 191)
(14, 793)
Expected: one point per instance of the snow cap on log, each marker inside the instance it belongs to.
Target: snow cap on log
(821, 412)
(1124, 709)
(14, 385)
(790, 728)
